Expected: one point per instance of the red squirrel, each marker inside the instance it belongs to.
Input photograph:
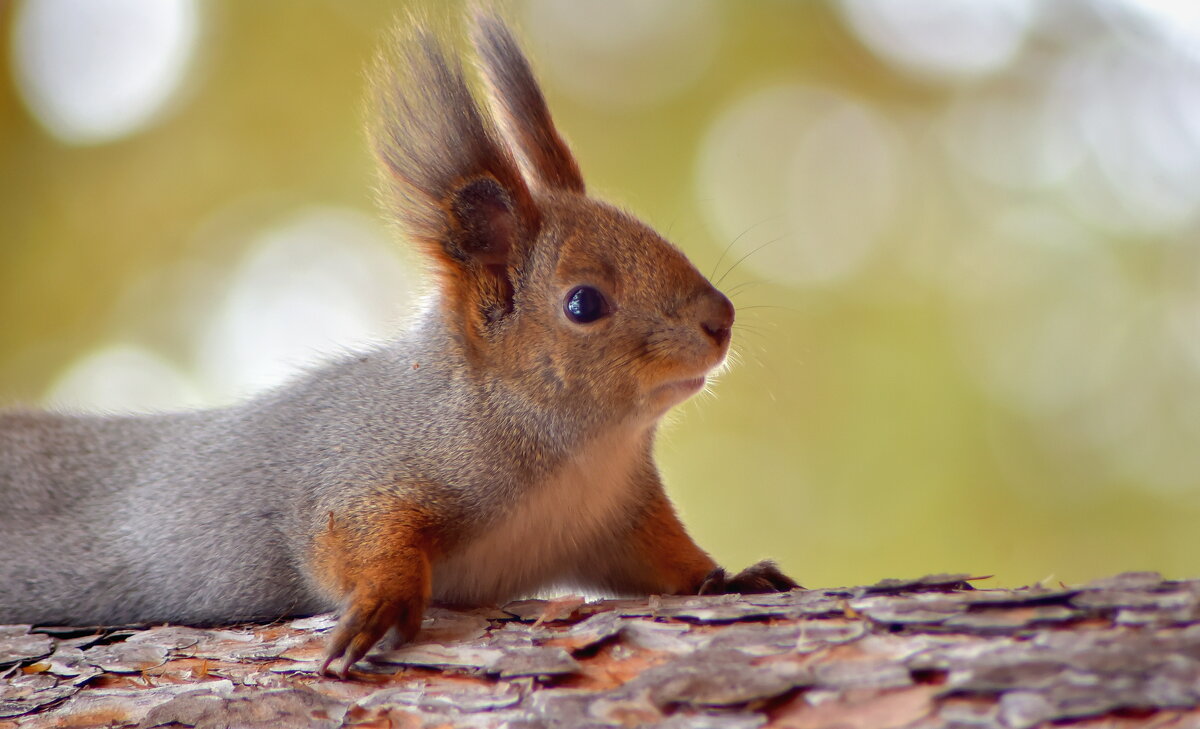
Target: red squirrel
(502, 445)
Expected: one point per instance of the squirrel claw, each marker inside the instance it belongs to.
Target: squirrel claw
(764, 576)
(339, 649)
(324, 669)
(360, 628)
(350, 643)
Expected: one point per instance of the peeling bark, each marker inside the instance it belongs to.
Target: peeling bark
(926, 653)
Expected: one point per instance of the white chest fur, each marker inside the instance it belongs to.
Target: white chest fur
(546, 535)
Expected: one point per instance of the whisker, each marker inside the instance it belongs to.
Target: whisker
(757, 343)
(734, 291)
(738, 262)
(750, 330)
(735, 240)
(791, 309)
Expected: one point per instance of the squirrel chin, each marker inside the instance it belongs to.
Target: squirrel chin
(670, 394)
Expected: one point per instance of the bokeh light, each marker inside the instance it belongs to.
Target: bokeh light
(123, 378)
(92, 71)
(778, 162)
(1155, 22)
(1139, 111)
(624, 52)
(942, 38)
(1024, 133)
(315, 284)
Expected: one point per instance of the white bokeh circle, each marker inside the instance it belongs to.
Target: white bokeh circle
(809, 174)
(93, 71)
(942, 38)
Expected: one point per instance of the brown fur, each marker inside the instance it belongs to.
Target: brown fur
(377, 558)
(675, 565)
(662, 559)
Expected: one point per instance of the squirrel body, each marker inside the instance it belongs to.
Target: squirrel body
(501, 446)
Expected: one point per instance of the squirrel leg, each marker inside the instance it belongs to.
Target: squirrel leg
(657, 556)
(381, 568)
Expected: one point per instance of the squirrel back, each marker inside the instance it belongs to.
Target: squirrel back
(501, 446)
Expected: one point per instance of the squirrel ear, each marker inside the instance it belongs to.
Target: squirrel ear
(517, 102)
(449, 180)
(484, 223)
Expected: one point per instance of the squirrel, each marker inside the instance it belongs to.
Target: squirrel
(501, 446)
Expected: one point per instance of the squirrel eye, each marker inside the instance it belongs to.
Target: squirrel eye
(585, 304)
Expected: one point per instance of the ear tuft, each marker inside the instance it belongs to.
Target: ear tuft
(431, 137)
(449, 179)
(517, 101)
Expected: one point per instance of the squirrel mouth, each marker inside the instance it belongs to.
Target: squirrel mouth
(680, 390)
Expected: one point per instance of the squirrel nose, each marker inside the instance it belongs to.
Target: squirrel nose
(718, 322)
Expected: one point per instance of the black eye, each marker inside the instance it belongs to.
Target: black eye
(585, 304)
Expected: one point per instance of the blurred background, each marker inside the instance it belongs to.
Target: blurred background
(962, 236)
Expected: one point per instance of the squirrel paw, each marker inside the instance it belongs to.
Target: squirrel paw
(363, 623)
(757, 578)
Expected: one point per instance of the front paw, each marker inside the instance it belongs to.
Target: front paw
(757, 578)
(364, 621)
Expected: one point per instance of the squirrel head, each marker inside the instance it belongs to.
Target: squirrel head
(561, 298)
